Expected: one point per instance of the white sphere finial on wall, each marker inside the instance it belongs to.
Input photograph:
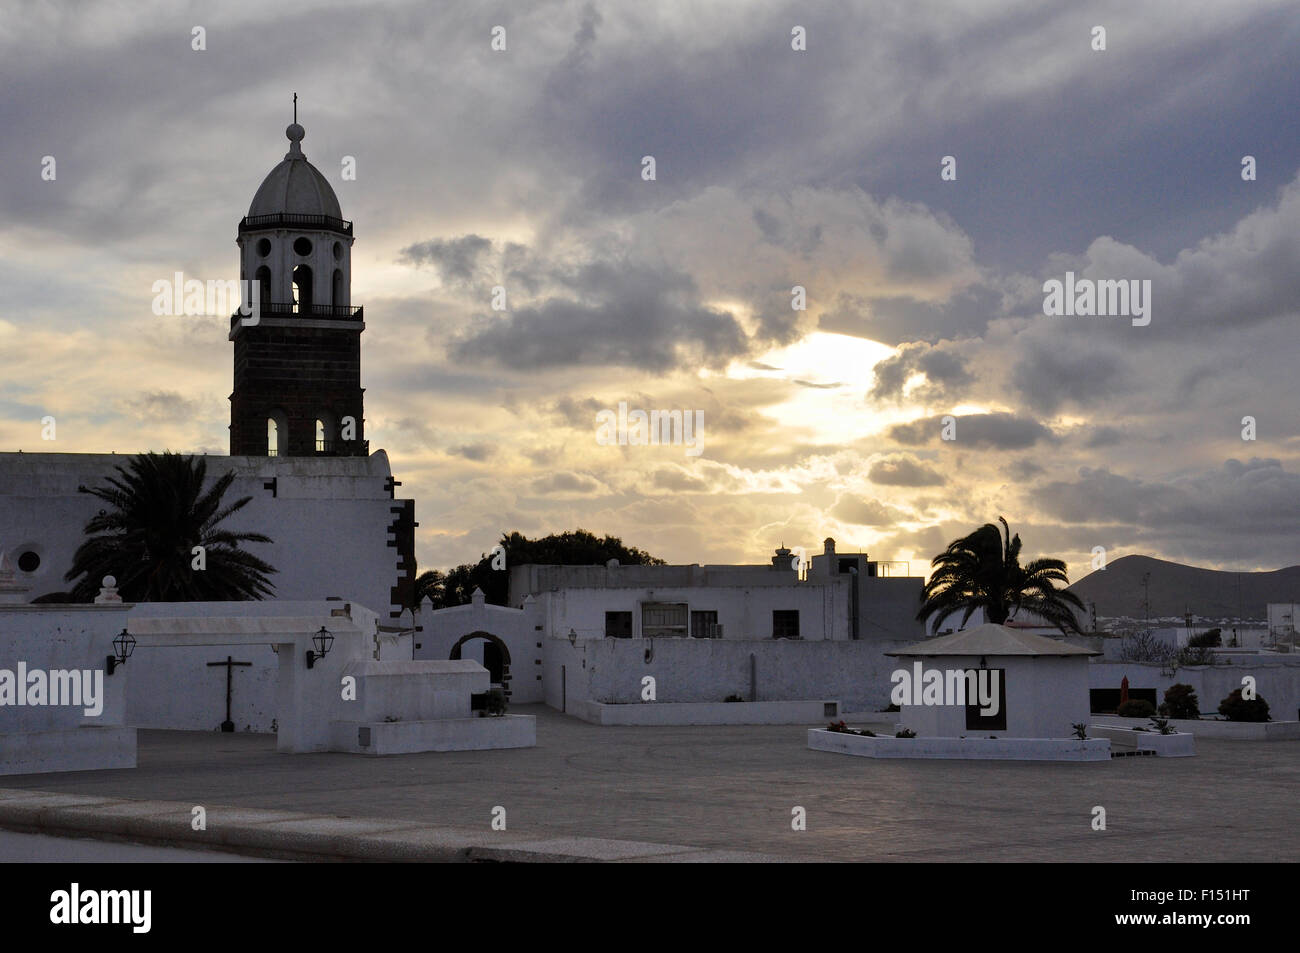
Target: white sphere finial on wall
(109, 591)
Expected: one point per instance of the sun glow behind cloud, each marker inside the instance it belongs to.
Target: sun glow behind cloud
(831, 375)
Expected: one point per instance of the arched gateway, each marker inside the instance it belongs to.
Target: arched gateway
(496, 657)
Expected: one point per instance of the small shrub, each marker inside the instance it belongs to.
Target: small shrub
(1181, 702)
(1162, 725)
(733, 697)
(1136, 708)
(1211, 639)
(1143, 646)
(496, 702)
(892, 707)
(1236, 708)
(1080, 730)
(841, 728)
(1194, 655)
(905, 733)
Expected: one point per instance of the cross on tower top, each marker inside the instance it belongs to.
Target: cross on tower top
(295, 107)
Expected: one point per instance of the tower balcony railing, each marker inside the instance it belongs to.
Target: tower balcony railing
(289, 309)
(291, 220)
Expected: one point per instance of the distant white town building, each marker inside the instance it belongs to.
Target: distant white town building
(575, 636)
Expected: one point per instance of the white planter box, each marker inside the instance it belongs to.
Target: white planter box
(991, 749)
(442, 734)
(1180, 744)
(1235, 730)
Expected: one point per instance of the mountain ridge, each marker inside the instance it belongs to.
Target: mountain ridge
(1176, 588)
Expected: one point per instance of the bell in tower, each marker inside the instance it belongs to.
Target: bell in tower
(297, 388)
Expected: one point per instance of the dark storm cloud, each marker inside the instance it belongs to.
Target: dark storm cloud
(565, 482)
(577, 412)
(900, 319)
(1000, 431)
(677, 479)
(456, 260)
(619, 315)
(803, 241)
(903, 470)
(478, 452)
(862, 512)
(1024, 469)
(164, 406)
(1239, 510)
(1104, 436)
(946, 376)
(1054, 371)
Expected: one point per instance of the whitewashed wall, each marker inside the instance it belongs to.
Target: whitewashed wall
(318, 503)
(1046, 695)
(708, 670)
(517, 628)
(173, 687)
(62, 637)
(744, 612)
(64, 737)
(1277, 679)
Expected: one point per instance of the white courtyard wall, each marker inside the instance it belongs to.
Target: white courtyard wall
(708, 670)
(1277, 680)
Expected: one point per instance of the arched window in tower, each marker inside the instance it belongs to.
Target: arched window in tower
(337, 298)
(277, 433)
(263, 278)
(324, 435)
(302, 289)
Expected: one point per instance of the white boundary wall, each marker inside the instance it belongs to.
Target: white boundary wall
(710, 713)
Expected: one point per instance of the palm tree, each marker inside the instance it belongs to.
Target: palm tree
(158, 513)
(428, 583)
(983, 571)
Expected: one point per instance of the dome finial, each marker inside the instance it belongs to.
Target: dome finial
(295, 133)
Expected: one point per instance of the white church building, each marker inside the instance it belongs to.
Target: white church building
(297, 448)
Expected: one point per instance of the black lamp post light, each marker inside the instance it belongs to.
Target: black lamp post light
(323, 642)
(123, 645)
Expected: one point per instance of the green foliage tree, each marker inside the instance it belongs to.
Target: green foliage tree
(1181, 702)
(1236, 708)
(575, 548)
(158, 512)
(983, 571)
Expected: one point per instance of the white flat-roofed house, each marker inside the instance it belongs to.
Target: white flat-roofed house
(740, 602)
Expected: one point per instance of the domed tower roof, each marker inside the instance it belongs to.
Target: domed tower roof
(295, 186)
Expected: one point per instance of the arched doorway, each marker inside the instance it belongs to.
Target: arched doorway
(496, 657)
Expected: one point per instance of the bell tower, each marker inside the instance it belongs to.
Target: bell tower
(297, 388)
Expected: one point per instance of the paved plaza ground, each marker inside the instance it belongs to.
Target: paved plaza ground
(734, 787)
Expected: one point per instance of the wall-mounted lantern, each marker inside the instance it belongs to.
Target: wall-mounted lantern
(323, 642)
(123, 646)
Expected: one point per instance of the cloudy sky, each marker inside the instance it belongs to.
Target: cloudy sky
(774, 168)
